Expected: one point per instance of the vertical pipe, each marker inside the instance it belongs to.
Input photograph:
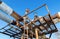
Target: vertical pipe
(10, 11)
(47, 9)
(32, 34)
(27, 11)
(24, 26)
(36, 32)
(27, 33)
(22, 37)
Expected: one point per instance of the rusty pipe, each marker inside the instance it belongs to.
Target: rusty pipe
(10, 11)
(55, 18)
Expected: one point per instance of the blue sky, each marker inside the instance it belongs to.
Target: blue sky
(19, 6)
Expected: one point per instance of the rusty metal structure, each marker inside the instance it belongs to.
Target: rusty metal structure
(25, 28)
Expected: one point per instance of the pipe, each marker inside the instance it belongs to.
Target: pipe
(57, 18)
(58, 15)
(10, 11)
(5, 18)
(8, 20)
(36, 32)
(35, 9)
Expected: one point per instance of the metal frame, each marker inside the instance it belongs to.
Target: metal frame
(17, 32)
(12, 31)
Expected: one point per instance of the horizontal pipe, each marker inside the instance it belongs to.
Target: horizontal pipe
(4, 7)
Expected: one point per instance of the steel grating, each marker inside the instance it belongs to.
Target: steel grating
(45, 27)
(12, 31)
(48, 25)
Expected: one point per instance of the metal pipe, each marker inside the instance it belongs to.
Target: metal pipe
(10, 11)
(35, 9)
(55, 18)
(5, 18)
(36, 32)
(8, 20)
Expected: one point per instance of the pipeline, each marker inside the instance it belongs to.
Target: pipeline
(10, 11)
(8, 20)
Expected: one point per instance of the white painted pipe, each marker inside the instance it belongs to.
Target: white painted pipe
(5, 8)
(8, 20)
(5, 18)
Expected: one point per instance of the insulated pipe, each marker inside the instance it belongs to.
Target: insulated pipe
(8, 20)
(36, 32)
(5, 18)
(10, 11)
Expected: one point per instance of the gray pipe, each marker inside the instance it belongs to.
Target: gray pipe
(5, 8)
(5, 18)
